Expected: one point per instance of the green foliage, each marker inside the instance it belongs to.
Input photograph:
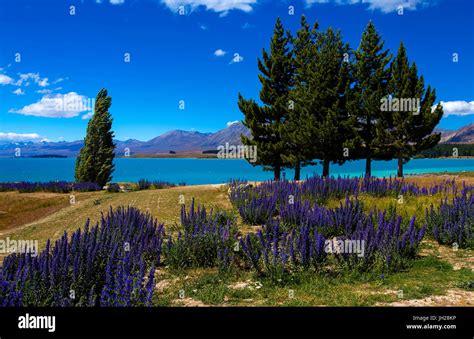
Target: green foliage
(410, 129)
(113, 187)
(447, 150)
(95, 160)
(324, 101)
(370, 76)
(319, 125)
(266, 122)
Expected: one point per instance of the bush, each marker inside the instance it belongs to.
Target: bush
(205, 241)
(453, 222)
(113, 187)
(143, 184)
(105, 265)
(51, 186)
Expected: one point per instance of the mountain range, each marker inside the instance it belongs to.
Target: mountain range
(464, 135)
(179, 141)
(172, 141)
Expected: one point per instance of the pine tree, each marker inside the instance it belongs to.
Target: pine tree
(321, 82)
(370, 76)
(297, 134)
(95, 160)
(266, 122)
(411, 120)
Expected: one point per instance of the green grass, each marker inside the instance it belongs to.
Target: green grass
(428, 276)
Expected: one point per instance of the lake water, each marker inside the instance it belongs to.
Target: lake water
(208, 171)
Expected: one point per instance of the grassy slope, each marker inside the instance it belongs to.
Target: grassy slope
(431, 275)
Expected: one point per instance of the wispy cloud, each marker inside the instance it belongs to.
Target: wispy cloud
(117, 2)
(87, 116)
(44, 91)
(19, 91)
(57, 106)
(219, 52)
(27, 78)
(230, 123)
(384, 6)
(458, 107)
(60, 80)
(218, 6)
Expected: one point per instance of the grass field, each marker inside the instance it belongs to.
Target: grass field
(441, 276)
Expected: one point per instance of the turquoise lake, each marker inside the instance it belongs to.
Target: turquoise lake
(208, 171)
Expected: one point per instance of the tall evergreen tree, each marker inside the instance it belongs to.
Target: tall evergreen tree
(266, 122)
(95, 160)
(370, 75)
(321, 83)
(410, 120)
(296, 134)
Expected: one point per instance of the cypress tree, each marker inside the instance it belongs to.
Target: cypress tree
(266, 122)
(411, 119)
(95, 160)
(370, 76)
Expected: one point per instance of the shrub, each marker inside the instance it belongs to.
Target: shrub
(205, 240)
(453, 222)
(51, 186)
(113, 187)
(105, 265)
(143, 184)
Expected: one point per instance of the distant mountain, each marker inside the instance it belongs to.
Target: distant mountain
(464, 135)
(177, 141)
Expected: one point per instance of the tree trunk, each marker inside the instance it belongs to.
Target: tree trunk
(400, 168)
(325, 168)
(297, 170)
(368, 167)
(276, 172)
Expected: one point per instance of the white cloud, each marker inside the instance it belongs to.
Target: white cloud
(219, 6)
(87, 116)
(60, 80)
(247, 26)
(43, 91)
(5, 79)
(236, 59)
(43, 82)
(203, 27)
(457, 107)
(229, 123)
(25, 79)
(19, 91)
(15, 137)
(384, 6)
(219, 52)
(117, 2)
(57, 106)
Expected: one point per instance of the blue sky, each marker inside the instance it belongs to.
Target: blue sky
(69, 58)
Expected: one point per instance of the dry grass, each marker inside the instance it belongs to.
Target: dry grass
(164, 204)
(20, 209)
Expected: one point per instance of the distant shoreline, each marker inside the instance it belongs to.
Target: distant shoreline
(187, 155)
